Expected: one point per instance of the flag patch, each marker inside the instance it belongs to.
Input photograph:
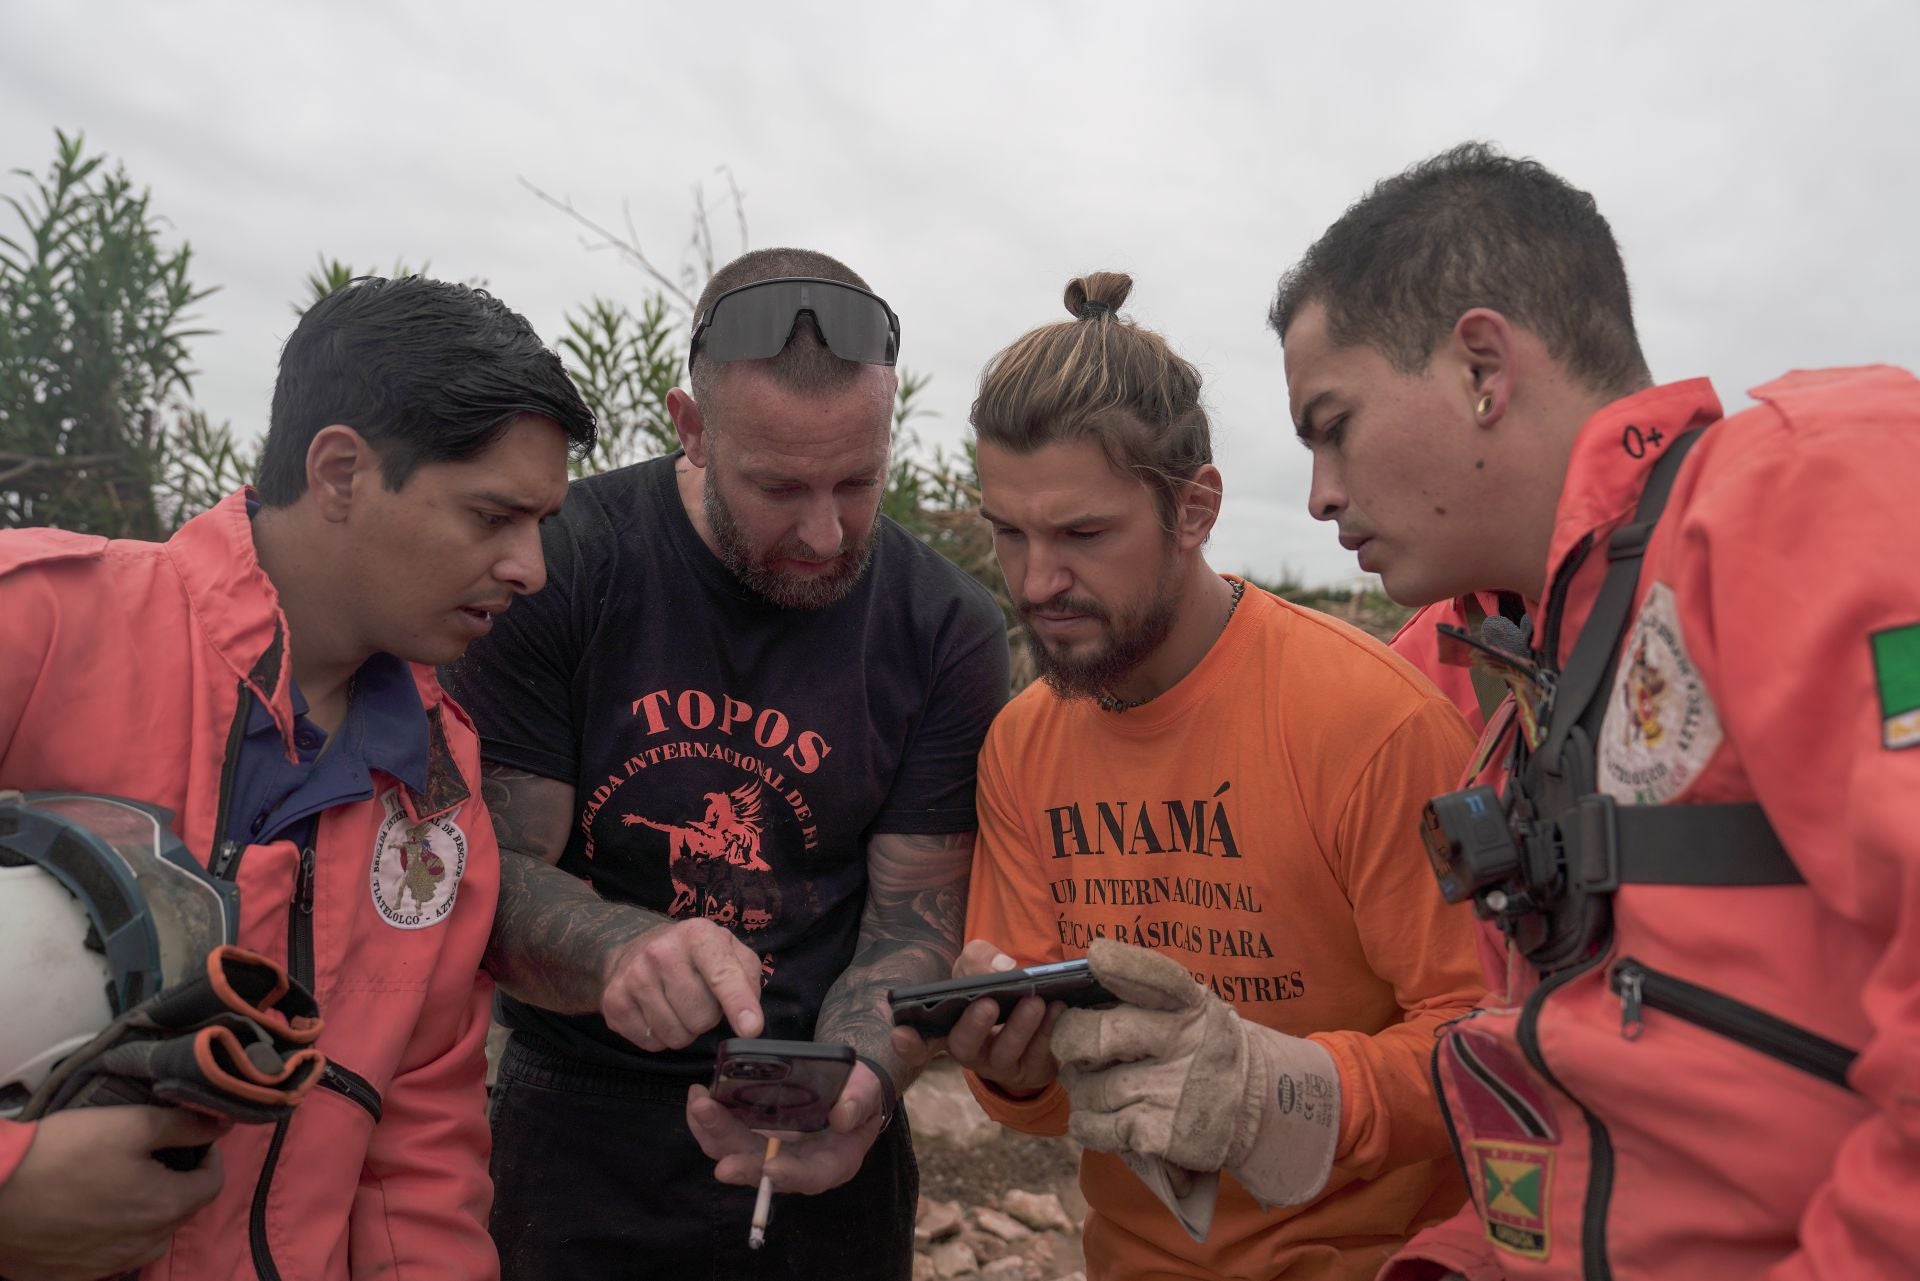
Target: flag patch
(1514, 1186)
(1896, 672)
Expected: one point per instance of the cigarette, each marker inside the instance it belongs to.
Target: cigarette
(757, 1236)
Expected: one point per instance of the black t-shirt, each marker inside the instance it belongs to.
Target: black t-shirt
(730, 759)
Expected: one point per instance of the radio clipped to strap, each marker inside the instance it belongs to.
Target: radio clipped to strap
(1545, 859)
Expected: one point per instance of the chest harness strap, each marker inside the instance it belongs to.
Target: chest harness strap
(1546, 859)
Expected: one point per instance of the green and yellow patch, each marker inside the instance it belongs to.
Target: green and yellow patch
(1515, 1182)
(1896, 672)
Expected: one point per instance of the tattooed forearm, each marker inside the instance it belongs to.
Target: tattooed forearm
(552, 935)
(910, 933)
(531, 813)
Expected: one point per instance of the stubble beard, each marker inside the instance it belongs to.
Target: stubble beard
(1129, 642)
(782, 590)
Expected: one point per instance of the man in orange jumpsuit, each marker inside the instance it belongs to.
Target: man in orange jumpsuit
(1702, 1058)
(265, 675)
(1214, 795)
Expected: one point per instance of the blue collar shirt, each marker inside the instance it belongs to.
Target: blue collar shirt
(385, 729)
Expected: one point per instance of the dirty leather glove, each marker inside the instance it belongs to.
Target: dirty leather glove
(1190, 1194)
(1173, 1074)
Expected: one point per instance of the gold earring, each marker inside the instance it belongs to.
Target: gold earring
(1485, 406)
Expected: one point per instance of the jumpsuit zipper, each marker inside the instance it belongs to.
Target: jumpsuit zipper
(226, 852)
(300, 969)
(1642, 988)
(1593, 1228)
(351, 1085)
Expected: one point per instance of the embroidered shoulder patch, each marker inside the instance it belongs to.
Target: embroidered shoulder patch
(1516, 1183)
(1896, 672)
(1661, 727)
(416, 867)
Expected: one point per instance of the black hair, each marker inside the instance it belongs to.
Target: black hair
(426, 371)
(1473, 228)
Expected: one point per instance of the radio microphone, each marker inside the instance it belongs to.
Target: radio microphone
(1499, 632)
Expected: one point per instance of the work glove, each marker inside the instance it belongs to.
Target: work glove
(229, 1068)
(235, 1041)
(1179, 1085)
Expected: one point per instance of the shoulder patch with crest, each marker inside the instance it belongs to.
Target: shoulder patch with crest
(1661, 727)
(416, 867)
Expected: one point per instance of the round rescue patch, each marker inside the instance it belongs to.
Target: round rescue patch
(1661, 728)
(416, 867)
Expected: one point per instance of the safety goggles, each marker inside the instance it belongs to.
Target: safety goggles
(755, 322)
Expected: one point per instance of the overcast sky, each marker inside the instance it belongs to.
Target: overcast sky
(1757, 161)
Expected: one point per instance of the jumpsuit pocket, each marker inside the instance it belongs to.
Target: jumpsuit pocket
(351, 1085)
(1642, 988)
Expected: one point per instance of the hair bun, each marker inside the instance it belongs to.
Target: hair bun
(1097, 294)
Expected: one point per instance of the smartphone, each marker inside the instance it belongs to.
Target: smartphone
(781, 1085)
(931, 1009)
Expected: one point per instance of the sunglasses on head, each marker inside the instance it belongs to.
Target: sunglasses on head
(755, 322)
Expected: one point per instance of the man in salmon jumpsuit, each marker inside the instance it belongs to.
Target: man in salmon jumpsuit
(1702, 1054)
(1213, 795)
(266, 675)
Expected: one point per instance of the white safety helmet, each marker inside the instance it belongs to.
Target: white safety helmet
(101, 907)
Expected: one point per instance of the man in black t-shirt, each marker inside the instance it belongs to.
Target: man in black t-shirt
(731, 762)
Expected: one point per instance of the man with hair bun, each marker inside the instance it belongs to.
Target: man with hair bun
(1213, 795)
(732, 748)
(1691, 829)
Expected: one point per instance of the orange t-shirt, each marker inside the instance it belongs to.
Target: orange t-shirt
(1258, 822)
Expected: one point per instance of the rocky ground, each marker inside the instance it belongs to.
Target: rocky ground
(994, 1205)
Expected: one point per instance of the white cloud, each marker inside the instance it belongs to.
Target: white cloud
(1756, 160)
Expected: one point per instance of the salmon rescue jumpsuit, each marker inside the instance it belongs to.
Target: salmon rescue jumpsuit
(127, 667)
(1662, 1110)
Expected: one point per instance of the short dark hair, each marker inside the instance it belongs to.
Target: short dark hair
(1100, 377)
(1473, 228)
(806, 364)
(426, 371)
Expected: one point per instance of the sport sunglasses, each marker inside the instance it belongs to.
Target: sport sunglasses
(754, 322)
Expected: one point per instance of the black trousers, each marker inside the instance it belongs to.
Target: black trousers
(596, 1176)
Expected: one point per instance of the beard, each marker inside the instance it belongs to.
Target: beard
(1130, 640)
(785, 590)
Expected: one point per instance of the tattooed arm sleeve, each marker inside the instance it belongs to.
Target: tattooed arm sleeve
(910, 933)
(553, 936)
